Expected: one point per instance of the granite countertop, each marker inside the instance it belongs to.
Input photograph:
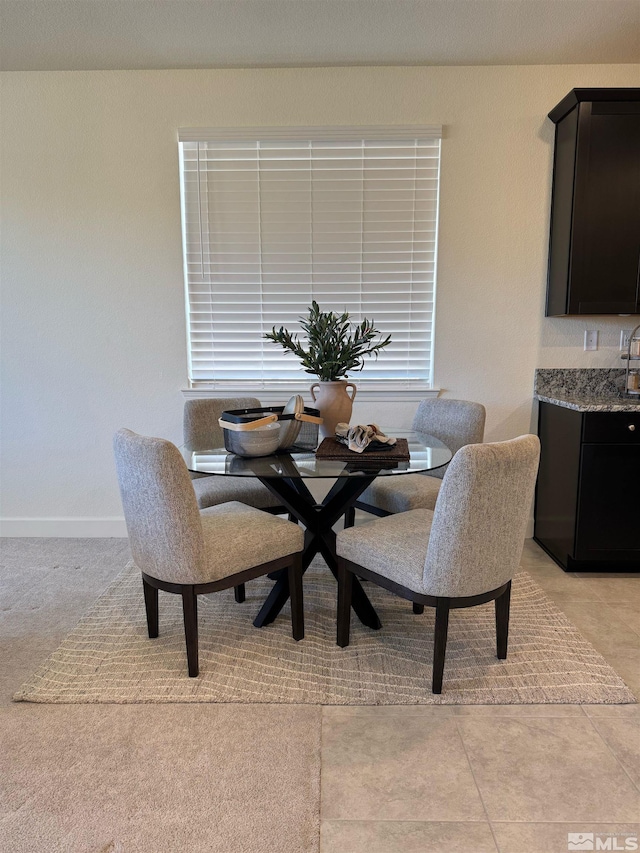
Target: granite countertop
(592, 403)
(589, 390)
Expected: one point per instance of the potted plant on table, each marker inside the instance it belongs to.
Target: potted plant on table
(334, 346)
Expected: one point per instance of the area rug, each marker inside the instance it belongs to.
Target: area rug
(109, 658)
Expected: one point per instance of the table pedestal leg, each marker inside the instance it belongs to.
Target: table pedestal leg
(319, 538)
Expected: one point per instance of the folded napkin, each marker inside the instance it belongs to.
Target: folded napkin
(361, 436)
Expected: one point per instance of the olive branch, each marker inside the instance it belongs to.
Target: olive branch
(334, 345)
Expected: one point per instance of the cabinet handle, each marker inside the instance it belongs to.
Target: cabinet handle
(632, 427)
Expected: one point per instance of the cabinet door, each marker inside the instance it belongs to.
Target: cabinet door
(556, 506)
(609, 503)
(605, 253)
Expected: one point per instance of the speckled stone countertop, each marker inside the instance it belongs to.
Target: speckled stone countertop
(595, 389)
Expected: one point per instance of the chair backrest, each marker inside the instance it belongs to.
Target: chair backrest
(163, 520)
(455, 422)
(200, 428)
(480, 518)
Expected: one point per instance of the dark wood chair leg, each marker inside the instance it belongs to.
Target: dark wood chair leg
(350, 517)
(345, 585)
(418, 608)
(440, 643)
(239, 593)
(502, 621)
(190, 613)
(297, 605)
(151, 606)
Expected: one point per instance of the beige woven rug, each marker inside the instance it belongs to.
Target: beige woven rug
(108, 657)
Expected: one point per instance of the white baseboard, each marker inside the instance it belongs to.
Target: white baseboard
(78, 528)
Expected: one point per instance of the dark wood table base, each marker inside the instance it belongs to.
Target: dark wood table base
(320, 538)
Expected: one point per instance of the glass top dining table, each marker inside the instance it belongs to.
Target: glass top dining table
(284, 475)
(425, 451)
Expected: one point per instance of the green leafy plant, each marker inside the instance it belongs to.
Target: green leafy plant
(334, 344)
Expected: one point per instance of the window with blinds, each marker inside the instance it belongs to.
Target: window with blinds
(275, 218)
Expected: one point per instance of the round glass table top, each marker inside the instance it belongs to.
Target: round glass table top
(426, 454)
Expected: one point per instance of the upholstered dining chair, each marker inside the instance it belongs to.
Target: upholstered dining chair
(456, 423)
(463, 553)
(187, 551)
(201, 431)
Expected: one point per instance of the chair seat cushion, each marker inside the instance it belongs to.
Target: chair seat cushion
(394, 547)
(402, 493)
(211, 491)
(239, 537)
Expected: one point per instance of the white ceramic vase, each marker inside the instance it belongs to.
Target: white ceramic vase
(334, 403)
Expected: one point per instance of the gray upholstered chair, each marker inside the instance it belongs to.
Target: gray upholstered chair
(184, 550)
(201, 431)
(456, 423)
(463, 553)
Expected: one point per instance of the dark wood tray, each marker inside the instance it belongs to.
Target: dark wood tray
(331, 448)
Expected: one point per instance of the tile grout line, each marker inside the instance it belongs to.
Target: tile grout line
(471, 822)
(614, 605)
(603, 605)
(564, 822)
(321, 774)
(615, 757)
(475, 782)
(601, 597)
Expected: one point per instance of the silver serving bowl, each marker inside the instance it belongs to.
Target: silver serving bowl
(254, 442)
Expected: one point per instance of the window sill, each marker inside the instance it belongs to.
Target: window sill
(278, 394)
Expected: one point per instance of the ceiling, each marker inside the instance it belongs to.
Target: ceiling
(56, 35)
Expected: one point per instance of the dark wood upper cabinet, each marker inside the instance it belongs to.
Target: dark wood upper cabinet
(594, 249)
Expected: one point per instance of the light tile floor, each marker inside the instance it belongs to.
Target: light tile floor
(511, 779)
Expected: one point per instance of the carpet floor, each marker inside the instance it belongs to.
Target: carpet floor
(159, 779)
(108, 657)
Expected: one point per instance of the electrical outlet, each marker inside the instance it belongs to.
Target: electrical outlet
(590, 340)
(625, 334)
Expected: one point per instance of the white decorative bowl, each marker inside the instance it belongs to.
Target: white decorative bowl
(262, 441)
(291, 428)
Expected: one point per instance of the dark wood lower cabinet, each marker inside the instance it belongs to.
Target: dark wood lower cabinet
(587, 514)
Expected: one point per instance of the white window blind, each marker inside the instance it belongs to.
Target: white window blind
(275, 218)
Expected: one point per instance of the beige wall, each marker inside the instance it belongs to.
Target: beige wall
(93, 311)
